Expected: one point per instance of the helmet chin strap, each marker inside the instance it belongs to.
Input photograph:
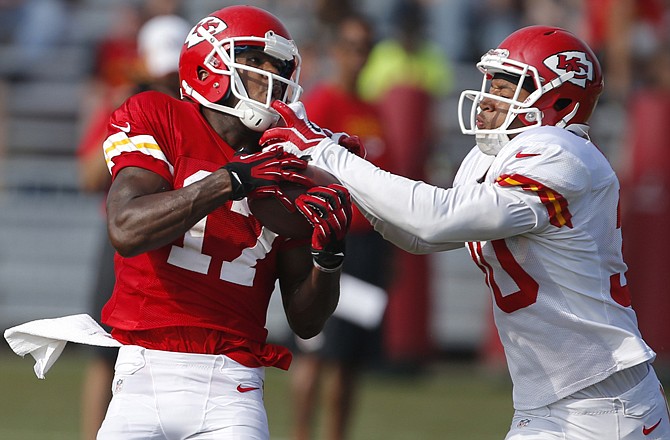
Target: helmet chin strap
(567, 118)
(491, 143)
(254, 116)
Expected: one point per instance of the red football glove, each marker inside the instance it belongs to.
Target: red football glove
(352, 143)
(328, 209)
(259, 174)
(298, 130)
(304, 134)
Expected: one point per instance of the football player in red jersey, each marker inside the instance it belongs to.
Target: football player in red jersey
(194, 269)
(536, 204)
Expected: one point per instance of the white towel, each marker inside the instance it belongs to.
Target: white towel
(361, 302)
(45, 339)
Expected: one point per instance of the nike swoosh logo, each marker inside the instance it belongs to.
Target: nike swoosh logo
(242, 389)
(125, 129)
(647, 431)
(521, 155)
(237, 178)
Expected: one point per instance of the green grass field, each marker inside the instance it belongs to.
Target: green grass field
(448, 401)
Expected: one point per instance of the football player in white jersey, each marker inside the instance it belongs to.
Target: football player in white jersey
(536, 204)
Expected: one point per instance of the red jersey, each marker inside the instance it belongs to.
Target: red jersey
(220, 275)
(338, 111)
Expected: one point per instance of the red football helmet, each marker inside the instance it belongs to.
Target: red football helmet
(212, 45)
(561, 71)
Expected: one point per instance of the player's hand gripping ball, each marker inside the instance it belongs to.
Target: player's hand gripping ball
(277, 218)
(328, 209)
(258, 175)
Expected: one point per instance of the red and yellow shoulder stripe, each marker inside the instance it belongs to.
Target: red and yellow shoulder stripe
(556, 204)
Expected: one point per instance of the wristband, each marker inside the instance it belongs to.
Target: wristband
(325, 269)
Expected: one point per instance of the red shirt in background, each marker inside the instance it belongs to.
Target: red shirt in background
(338, 111)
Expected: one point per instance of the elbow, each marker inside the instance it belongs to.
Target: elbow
(418, 251)
(308, 331)
(308, 316)
(126, 244)
(123, 248)
(307, 328)
(411, 244)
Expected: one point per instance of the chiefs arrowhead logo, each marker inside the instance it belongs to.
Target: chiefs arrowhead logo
(572, 61)
(213, 25)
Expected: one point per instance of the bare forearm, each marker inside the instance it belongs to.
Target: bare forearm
(313, 303)
(153, 220)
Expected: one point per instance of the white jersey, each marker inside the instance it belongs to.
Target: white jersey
(541, 221)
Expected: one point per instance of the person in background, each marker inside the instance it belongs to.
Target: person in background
(336, 356)
(406, 57)
(114, 77)
(645, 198)
(625, 33)
(405, 77)
(159, 43)
(536, 203)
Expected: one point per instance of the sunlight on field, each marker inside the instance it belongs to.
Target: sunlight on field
(448, 401)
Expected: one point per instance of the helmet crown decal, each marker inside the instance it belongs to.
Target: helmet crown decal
(572, 61)
(212, 25)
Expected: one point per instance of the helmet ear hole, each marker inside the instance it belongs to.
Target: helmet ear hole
(562, 103)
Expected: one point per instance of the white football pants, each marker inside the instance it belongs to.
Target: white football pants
(641, 413)
(174, 396)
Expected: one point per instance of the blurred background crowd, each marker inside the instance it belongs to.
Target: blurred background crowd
(65, 64)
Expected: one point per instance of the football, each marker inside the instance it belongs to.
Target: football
(274, 216)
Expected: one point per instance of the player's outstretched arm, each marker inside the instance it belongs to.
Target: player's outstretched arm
(310, 298)
(437, 218)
